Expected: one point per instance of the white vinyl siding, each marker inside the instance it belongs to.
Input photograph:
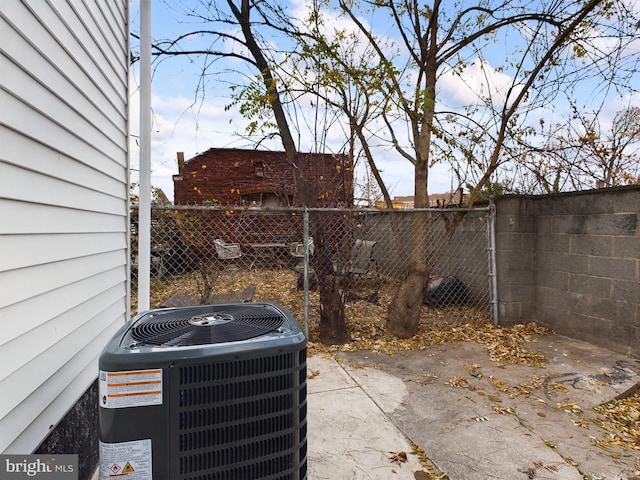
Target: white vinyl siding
(63, 205)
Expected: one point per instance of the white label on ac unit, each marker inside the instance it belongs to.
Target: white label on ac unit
(133, 388)
(131, 460)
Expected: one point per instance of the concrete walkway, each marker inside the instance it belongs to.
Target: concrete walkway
(350, 435)
(473, 418)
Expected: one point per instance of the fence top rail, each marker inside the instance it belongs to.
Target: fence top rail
(206, 208)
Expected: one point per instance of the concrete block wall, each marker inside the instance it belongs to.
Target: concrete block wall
(572, 262)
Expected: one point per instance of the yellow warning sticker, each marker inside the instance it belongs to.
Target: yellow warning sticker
(126, 460)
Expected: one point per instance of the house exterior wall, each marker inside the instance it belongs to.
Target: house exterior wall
(226, 176)
(63, 208)
(572, 262)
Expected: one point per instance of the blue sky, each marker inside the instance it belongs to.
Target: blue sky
(189, 122)
(182, 122)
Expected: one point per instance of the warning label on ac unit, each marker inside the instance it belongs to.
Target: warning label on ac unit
(131, 460)
(134, 388)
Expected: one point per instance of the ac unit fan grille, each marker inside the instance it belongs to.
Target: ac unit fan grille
(243, 419)
(205, 325)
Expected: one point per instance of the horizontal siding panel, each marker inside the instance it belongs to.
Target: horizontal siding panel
(48, 402)
(57, 45)
(17, 434)
(54, 191)
(30, 250)
(56, 303)
(116, 16)
(23, 354)
(38, 82)
(58, 165)
(25, 218)
(21, 285)
(32, 103)
(95, 40)
(34, 125)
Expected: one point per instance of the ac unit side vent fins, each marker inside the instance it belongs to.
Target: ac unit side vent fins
(234, 391)
(215, 372)
(272, 469)
(248, 452)
(231, 434)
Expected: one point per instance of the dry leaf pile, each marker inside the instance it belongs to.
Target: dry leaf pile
(365, 320)
(621, 420)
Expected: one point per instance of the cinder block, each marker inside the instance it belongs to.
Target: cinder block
(618, 312)
(626, 247)
(569, 302)
(626, 291)
(519, 276)
(564, 263)
(590, 285)
(625, 200)
(576, 224)
(517, 293)
(614, 224)
(553, 279)
(559, 243)
(620, 268)
(591, 245)
(511, 313)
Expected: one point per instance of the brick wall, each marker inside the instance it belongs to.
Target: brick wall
(572, 262)
(235, 177)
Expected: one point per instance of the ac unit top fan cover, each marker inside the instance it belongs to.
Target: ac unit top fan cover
(204, 325)
(225, 329)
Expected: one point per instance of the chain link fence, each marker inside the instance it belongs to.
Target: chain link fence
(205, 255)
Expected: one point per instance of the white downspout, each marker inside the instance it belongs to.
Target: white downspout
(144, 213)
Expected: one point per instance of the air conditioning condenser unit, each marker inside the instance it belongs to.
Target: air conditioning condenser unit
(205, 393)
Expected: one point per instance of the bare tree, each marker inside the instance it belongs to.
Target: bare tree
(437, 42)
(236, 32)
(586, 154)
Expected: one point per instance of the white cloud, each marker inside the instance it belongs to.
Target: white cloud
(478, 80)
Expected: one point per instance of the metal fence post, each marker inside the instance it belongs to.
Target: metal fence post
(305, 240)
(493, 280)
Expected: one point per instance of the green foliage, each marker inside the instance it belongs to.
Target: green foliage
(253, 103)
(488, 190)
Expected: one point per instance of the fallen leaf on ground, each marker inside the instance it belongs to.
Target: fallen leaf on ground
(398, 457)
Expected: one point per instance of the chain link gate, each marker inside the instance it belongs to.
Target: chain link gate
(213, 254)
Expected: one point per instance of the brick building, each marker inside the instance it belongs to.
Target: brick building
(436, 200)
(229, 176)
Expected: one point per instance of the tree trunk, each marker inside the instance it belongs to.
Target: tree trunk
(403, 315)
(333, 328)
